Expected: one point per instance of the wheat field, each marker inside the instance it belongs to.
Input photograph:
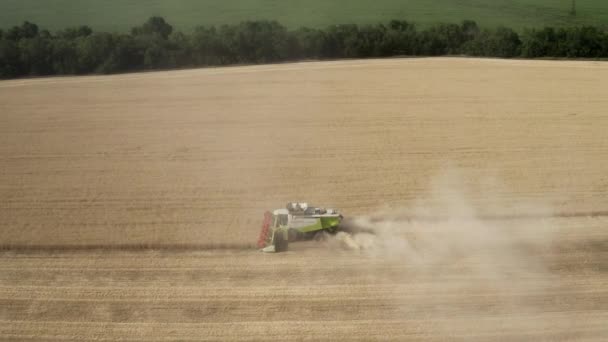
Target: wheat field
(130, 204)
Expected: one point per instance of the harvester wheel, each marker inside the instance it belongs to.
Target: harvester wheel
(280, 244)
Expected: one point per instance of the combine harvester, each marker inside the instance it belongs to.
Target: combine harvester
(298, 221)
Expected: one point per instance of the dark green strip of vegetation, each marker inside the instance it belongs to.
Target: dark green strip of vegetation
(27, 51)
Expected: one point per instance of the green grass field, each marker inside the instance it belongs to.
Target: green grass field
(120, 15)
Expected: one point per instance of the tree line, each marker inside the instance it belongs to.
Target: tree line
(27, 50)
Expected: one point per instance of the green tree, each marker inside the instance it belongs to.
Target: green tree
(210, 45)
(93, 51)
(156, 54)
(25, 31)
(308, 42)
(36, 55)
(75, 32)
(10, 63)
(540, 43)
(263, 41)
(501, 42)
(154, 26)
(64, 57)
(442, 39)
(341, 41)
(181, 53)
(586, 41)
(125, 55)
(369, 42)
(470, 30)
(400, 38)
(28, 50)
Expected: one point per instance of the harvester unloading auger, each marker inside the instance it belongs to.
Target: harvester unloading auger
(298, 221)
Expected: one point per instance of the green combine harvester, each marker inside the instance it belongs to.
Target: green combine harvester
(298, 221)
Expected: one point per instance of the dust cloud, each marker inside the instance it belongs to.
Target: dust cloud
(489, 265)
(445, 225)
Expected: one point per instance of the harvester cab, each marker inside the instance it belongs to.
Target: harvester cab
(298, 221)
